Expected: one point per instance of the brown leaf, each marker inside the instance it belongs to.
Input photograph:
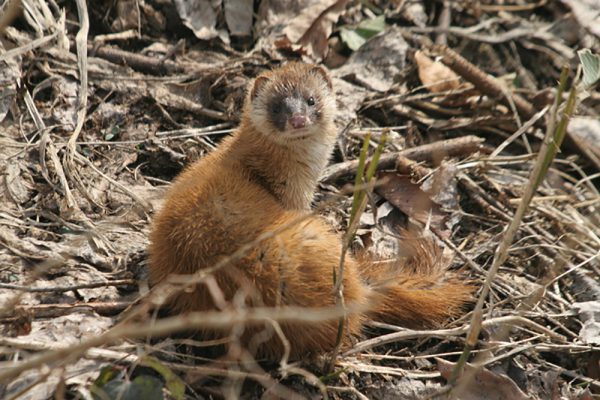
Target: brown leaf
(238, 15)
(377, 63)
(435, 75)
(199, 16)
(309, 28)
(485, 385)
(408, 197)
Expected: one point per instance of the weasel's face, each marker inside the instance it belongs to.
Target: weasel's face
(292, 103)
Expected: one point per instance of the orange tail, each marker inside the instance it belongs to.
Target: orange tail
(418, 291)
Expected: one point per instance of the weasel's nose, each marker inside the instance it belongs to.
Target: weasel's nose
(298, 121)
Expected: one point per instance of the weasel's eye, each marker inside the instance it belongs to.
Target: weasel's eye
(310, 101)
(276, 108)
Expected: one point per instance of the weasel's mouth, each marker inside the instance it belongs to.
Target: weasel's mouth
(293, 131)
(298, 133)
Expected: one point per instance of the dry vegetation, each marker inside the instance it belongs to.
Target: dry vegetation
(101, 106)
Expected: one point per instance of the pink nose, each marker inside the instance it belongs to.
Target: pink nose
(298, 121)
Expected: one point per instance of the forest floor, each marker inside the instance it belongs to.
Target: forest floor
(102, 106)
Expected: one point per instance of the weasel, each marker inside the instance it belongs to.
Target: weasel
(258, 180)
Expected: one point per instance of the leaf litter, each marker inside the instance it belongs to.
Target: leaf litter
(165, 86)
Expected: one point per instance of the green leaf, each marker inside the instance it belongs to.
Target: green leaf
(356, 36)
(371, 27)
(352, 39)
(114, 132)
(142, 387)
(173, 383)
(590, 64)
(107, 374)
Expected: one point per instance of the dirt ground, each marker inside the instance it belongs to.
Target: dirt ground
(102, 105)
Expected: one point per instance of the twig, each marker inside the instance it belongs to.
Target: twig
(184, 322)
(413, 334)
(56, 310)
(482, 81)
(432, 152)
(60, 289)
(28, 47)
(142, 63)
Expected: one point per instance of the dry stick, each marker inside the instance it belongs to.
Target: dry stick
(28, 47)
(190, 321)
(413, 334)
(444, 23)
(482, 81)
(143, 203)
(492, 205)
(573, 375)
(519, 132)
(80, 41)
(512, 8)
(57, 310)
(546, 154)
(46, 143)
(120, 356)
(139, 62)
(60, 289)
(427, 152)
(82, 100)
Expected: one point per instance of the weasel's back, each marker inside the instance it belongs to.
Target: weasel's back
(211, 210)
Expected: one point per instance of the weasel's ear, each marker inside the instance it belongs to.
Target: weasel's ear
(258, 83)
(321, 71)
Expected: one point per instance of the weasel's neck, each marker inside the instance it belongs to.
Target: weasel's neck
(289, 172)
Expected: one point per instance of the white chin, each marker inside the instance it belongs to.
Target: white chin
(296, 134)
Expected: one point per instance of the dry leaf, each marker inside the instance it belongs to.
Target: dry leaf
(434, 75)
(10, 71)
(315, 39)
(411, 200)
(589, 312)
(128, 16)
(313, 26)
(485, 385)
(377, 62)
(238, 15)
(199, 16)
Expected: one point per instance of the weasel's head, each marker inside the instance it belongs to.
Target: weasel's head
(292, 103)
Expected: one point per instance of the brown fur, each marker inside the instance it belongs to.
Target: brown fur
(258, 180)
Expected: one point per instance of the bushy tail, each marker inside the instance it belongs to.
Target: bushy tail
(417, 290)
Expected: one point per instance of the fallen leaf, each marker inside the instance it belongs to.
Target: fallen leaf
(434, 75)
(238, 15)
(485, 384)
(315, 38)
(10, 71)
(376, 63)
(590, 64)
(409, 198)
(589, 313)
(356, 36)
(17, 182)
(199, 16)
(128, 16)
